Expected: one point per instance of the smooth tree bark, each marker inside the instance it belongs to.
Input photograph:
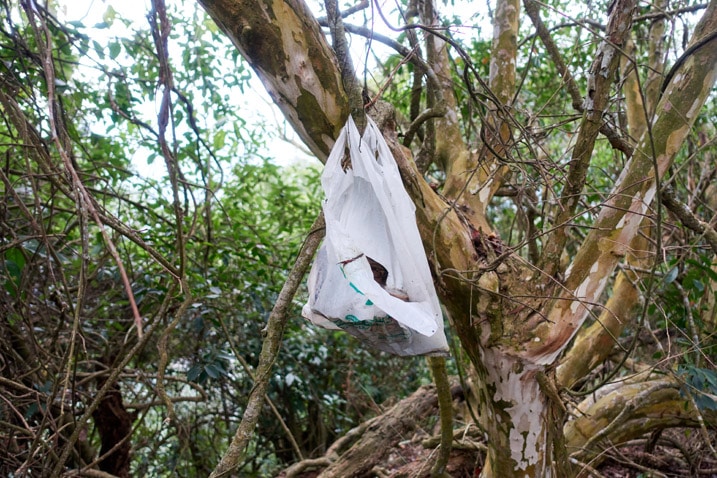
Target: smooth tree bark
(285, 46)
(515, 319)
(594, 344)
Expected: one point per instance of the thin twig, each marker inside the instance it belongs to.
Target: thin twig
(77, 184)
(269, 351)
(388, 81)
(688, 218)
(109, 383)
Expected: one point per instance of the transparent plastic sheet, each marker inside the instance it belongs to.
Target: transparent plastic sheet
(371, 277)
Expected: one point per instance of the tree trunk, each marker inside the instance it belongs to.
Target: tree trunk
(114, 424)
(286, 48)
(516, 414)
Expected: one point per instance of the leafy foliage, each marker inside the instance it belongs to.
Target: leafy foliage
(205, 255)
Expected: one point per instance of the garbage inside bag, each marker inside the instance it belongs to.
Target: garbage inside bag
(371, 277)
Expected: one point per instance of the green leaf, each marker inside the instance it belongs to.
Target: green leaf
(14, 264)
(698, 285)
(115, 49)
(705, 402)
(213, 370)
(220, 139)
(194, 373)
(16, 257)
(109, 15)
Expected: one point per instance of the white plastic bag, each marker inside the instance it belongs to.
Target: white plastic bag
(370, 232)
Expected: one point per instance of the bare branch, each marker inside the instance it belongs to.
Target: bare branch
(623, 212)
(346, 67)
(362, 5)
(688, 218)
(269, 350)
(600, 80)
(532, 9)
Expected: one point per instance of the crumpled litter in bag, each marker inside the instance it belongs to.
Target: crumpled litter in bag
(370, 277)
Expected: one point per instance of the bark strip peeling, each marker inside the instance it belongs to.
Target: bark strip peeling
(600, 81)
(629, 202)
(513, 411)
(283, 43)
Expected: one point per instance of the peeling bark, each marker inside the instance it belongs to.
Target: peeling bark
(620, 218)
(451, 151)
(656, 59)
(593, 346)
(493, 169)
(449, 144)
(597, 342)
(283, 43)
(600, 82)
(514, 415)
(634, 106)
(639, 111)
(473, 179)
